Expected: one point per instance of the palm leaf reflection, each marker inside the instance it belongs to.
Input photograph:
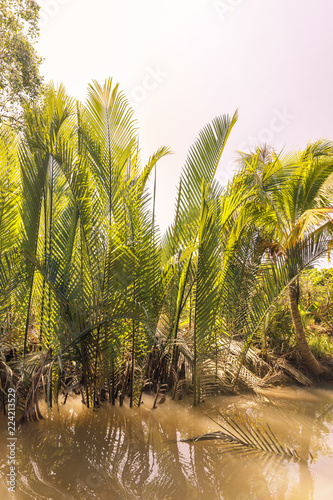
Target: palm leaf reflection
(241, 434)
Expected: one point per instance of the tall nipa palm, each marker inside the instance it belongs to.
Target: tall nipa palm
(216, 255)
(90, 236)
(216, 267)
(192, 246)
(131, 277)
(42, 186)
(292, 206)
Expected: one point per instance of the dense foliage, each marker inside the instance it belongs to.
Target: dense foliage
(315, 304)
(93, 300)
(20, 80)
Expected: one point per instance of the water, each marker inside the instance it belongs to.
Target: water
(118, 453)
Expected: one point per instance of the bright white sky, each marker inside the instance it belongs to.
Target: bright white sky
(182, 62)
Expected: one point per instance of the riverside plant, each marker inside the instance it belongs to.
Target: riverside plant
(93, 300)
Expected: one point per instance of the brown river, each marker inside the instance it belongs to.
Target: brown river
(119, 453)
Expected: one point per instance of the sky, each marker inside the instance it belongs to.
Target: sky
(183, 62)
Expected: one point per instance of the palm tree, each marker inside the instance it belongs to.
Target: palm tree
(82, 263)
(91, 263)
(292, 206)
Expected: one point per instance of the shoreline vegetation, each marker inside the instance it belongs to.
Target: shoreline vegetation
(95, 301)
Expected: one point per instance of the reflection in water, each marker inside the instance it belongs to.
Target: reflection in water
(118, 453)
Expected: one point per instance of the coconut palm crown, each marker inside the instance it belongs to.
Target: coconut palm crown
(292, 204)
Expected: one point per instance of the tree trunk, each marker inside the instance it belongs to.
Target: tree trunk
(314, 366)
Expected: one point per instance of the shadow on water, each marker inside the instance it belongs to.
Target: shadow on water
(118, 453)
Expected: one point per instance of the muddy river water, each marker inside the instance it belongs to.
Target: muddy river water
(119, 453)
